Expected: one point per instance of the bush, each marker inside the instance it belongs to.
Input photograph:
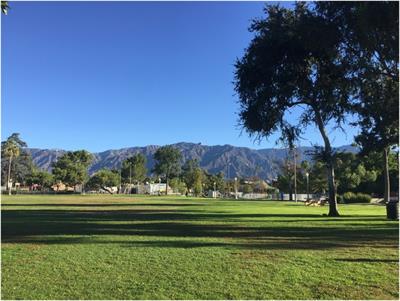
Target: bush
(350, 197)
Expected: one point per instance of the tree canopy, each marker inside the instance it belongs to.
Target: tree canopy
(370, 47)
(40, 177)
(15, 162)
(103, 179)
(193, 176)
(72, 167)
(294, 60)
(134, 169)
(167, 163)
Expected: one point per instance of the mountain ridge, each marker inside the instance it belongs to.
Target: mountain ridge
(233, 161)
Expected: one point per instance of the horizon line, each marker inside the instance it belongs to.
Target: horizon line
(176, 143)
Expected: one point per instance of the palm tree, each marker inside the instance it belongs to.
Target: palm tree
(11, 149)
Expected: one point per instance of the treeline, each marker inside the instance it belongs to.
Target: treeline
(71, 170)
(354, 172)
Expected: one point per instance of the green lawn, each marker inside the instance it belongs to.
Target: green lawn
(114, 247)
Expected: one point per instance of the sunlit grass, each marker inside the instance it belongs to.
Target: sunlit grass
(130, 247)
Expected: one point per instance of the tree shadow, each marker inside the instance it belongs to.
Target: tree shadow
(102, 205)
(366, 260)
(59, 227)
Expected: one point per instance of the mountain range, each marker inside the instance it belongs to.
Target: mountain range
(231, 160)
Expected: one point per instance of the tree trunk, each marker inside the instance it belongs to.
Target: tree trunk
(332, 190)
(9, 176)
(166, 185)
(331, 172)
(386, 175)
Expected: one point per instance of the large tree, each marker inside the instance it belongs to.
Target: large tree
(293, 61)
(351, 172)
(104, 179)
(214, 181)
(134, 169)
(193, 176)
(167, 163)
(72, 168)
(370, 48)
(40, 177)
(10, 151)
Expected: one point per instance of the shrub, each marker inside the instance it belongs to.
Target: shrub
(350, 197)
(363, 198)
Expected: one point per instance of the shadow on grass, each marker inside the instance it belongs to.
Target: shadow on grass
(366, 260)
(95, 226)
(103, 205)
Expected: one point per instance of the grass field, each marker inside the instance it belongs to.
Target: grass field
(115, 247)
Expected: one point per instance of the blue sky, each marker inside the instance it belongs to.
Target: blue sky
(96, 76)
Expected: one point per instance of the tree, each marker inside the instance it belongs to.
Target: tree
(178, 185)
(72, 168)
(351, 172)
(218, 179)
(167, 163)
(372, 163)
(40, 177)
(370, 48)
(285, 178)
(198, 177)
(21, 167)
(104, 179)
(134, 168)
(293, 61)
(10, 150)
(4, 7)
(193, 176)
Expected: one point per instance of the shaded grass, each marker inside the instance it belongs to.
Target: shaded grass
(119, 247)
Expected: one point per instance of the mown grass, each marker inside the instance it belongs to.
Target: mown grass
(126, 247)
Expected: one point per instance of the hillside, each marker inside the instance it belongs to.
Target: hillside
(231, 160)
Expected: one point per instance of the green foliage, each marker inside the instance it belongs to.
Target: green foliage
(103, 179)
(167, 162)
(198, 177)
(188, 172)
(178, 185)
(210, 179)
(15, 162)
(193, 176)
(134, 169)
(291, 61)
(350, 197)
(370, 48)
(40, 177)
(370, 51)
(351, 172)
(71, 168)
(21, 167)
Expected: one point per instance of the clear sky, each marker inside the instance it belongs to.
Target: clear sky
(105, 75)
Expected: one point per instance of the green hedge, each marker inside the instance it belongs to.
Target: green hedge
(350, 197)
